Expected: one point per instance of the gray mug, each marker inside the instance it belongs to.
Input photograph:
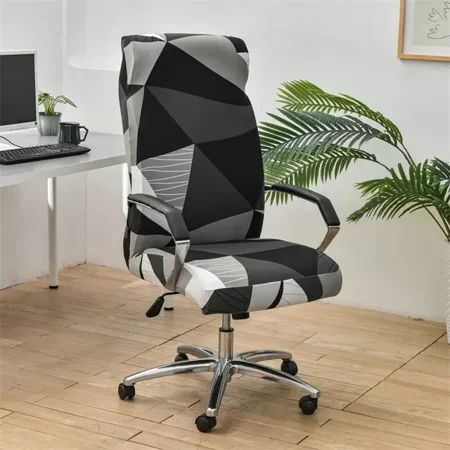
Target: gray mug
(69, 133)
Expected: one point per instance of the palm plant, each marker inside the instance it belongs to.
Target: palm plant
(315, 136)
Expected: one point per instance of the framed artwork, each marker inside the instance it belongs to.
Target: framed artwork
(424, 30)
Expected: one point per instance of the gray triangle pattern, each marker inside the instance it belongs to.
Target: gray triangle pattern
(225, 120)
(228, 64)
(209, 232)
(138, 51)
(134, 104)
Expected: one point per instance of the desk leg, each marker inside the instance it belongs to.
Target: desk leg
(52, 233)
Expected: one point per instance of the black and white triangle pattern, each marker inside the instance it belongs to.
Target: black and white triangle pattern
(192, 141)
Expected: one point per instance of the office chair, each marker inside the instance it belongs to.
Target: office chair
(197, 205)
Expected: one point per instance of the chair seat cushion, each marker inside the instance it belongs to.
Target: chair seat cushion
(248, 275)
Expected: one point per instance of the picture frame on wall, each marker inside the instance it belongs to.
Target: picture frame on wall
(424, 30)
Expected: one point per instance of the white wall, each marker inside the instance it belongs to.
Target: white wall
(344, 46)
(23, 212)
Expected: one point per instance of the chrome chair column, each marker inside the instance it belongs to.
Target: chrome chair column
(224, 370)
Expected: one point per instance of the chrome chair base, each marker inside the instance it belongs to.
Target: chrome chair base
(224, 364)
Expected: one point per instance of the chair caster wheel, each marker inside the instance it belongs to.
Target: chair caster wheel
(289, 366)
(126, 392)
(308, 405)
(205, 423)
(181, 357)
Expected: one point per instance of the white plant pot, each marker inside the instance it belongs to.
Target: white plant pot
(447, 287)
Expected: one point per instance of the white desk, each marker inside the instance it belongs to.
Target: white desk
(106, 150)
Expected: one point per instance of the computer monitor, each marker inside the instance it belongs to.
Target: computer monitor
(18, 100)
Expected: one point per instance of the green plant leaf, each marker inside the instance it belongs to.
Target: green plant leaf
(49, 102)
(65, 100)
(293, 133)
(42, 97)
(440, 172)
(404, 192)
(309, 169)
(316, 135)
(301, 95)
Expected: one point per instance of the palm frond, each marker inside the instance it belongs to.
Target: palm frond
(309, 169)
(402, 193)
(440, 172)
(292, 133)
(316, 135)
(301, 95)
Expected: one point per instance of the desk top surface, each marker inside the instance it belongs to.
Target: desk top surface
(106, 150)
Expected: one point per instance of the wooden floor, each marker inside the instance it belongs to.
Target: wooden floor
(384, 378)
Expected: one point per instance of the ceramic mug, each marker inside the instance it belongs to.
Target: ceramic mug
(69, 133)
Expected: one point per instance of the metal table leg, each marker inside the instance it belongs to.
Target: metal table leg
(52, 232)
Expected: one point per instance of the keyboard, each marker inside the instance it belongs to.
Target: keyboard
(26, 154)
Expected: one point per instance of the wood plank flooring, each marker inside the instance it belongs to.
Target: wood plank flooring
(385, 379)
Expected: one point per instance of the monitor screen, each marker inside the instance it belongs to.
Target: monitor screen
(17, 90)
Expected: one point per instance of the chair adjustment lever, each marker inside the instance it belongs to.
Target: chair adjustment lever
(157, 305)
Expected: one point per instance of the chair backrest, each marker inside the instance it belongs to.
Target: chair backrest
(191, 136)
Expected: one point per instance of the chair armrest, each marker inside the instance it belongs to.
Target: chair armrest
(172, 215)
(171, 219)
(325, 206)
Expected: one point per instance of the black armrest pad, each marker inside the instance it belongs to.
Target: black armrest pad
(173, 216)
(324, 204)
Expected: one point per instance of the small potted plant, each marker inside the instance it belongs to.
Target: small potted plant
(49, 118)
